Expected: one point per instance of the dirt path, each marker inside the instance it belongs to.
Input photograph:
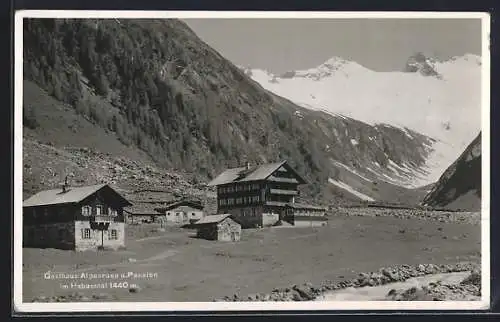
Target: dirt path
(151, 238)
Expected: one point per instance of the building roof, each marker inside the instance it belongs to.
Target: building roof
(141, 209)
(294, 205)
(256, 173)
(212, 219)
(72, 195)
(306, 206)
(191, 203)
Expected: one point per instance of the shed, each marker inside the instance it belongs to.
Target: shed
(142, 213)
(299, 214)
(218, 227)
(182, 212)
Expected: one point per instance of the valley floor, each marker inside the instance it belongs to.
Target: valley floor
(184, 268)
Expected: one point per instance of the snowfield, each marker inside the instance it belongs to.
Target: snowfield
(350, 189)
(446, 107)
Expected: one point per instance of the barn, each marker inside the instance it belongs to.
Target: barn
(218, 227)
(76, 218)
(182, 212)
(142, 213)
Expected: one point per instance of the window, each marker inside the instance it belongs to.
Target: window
(113, 235)
(86, 210)
(193, 214)
(112, 212)
(86, 233)
(98, 210)
(177, 214)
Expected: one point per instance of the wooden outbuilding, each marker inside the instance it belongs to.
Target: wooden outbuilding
(139, 214)
(182, 212)
(304, 215)
(218, 227)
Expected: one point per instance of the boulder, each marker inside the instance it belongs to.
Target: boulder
(304, 292)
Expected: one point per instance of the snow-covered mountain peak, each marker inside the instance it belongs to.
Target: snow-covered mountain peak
(440, 99)
(333, 66)
(420, 63)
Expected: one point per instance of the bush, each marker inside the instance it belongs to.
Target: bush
(29, 117)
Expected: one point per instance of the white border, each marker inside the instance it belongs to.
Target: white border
(248, 306)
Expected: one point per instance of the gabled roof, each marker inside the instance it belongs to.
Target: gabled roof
(72, 195)
(212, 219)
(256, 173)
(306, 206)
(141, 209)
(191, 203)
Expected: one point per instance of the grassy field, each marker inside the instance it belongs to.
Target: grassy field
(188, 269)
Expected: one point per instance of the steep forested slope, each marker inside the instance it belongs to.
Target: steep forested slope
(158, 88)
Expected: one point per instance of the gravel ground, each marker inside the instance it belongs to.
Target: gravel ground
(471, 218)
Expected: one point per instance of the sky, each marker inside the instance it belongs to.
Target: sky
(280, 45)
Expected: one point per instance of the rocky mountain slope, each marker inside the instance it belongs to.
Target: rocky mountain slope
(440, 99)
(164, 97)
(459, 187)
(59, 142)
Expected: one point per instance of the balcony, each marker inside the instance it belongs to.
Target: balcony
(103, 219)
(281, 179)
(284, 192)
(276, 203)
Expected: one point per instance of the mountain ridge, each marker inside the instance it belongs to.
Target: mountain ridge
(157, 88)
(446, 94)
(459, 188)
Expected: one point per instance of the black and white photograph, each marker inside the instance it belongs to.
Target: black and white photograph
(176, 161)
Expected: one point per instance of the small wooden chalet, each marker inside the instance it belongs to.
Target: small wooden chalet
(218, 227)
(75, 218)
(261, 195)
(139, 214)
(182, 212)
